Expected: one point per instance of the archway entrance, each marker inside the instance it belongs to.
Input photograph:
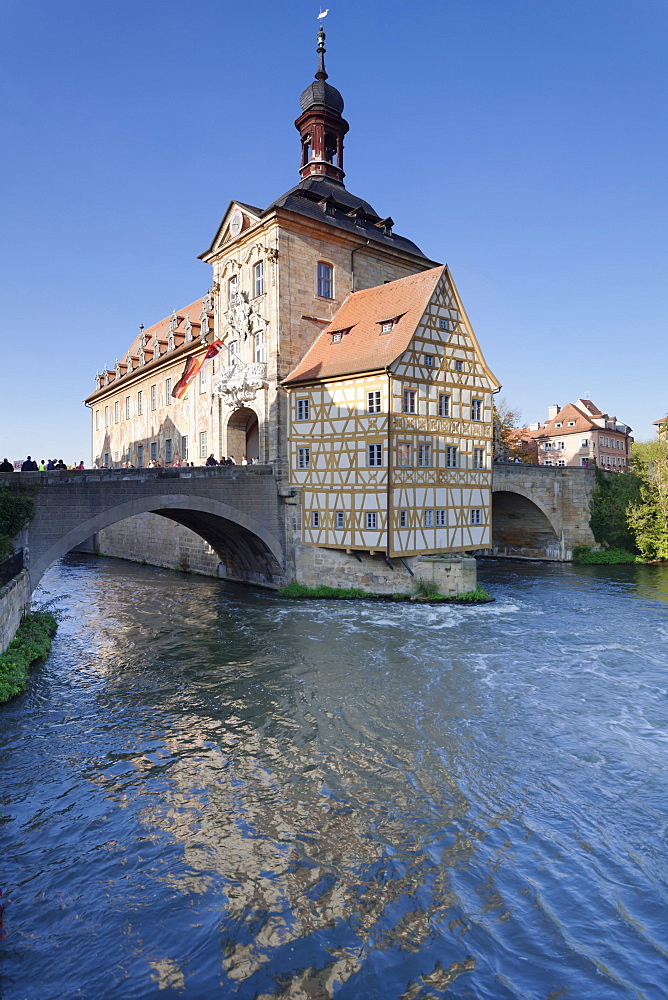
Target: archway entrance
(243, 435)
(521, 529)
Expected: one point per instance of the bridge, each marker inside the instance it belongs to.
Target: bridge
(238, 510)
(249, 521)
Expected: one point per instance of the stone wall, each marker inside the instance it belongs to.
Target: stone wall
(452, 574)
(14, 603)
(149, 538)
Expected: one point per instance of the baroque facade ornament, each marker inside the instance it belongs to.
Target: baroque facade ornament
(238, 384)
(239, 315)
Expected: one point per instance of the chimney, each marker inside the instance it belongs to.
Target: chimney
(552, 411)
(534, 426)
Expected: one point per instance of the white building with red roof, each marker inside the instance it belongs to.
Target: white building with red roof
(579, 434)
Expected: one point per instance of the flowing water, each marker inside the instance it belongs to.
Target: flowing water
(210, 791)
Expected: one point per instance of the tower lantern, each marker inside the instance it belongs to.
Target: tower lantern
(321, 125)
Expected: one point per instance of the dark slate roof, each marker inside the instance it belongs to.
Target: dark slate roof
(322, 95)
(346, 211)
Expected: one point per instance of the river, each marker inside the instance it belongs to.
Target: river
(210, 791)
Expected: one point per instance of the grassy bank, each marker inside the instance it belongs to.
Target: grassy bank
(607, 557)
(423, 595)
(31, 643)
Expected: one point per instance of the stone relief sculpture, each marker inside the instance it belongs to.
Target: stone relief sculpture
(239, 384)
(239, 313)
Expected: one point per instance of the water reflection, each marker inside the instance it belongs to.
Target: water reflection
(243, 797)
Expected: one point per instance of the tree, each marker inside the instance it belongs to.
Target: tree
(509, 442)
(648, 516)
(609, 506)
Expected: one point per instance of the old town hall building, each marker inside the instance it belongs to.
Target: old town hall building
(347, 361)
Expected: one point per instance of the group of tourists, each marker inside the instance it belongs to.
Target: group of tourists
(30, 465)
(230, 461)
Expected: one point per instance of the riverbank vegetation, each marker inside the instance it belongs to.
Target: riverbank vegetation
(31, 643)
(423, 592)
(629, 511)
(16, 509)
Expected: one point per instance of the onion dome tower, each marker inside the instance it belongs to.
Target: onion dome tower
(321, 125)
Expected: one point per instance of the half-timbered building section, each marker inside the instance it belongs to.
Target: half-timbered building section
(391, 424)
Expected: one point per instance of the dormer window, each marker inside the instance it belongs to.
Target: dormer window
(385, 225)
(386, 325)
(338, 335)
(559, 424)
(571, 423)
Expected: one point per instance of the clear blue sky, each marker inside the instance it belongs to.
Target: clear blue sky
(523, 143)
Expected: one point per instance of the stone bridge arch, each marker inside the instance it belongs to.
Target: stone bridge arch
(540, 512)
(245, 529)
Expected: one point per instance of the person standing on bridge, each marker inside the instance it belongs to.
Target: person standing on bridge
(6, 466)
(29, 465)
(211, 460)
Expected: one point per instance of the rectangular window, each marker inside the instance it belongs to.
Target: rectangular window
(325, 280)
(429, 519)
(127, 407)
(97, 420)
(429, 360)
(117, 411)
(106, 460)
(404, 453)
(154, 451)
(260, 353)
(140, 403)
(154, 397)
(371, 520)
(458, 366)
(303, 457)
(548, 446)
(443, 405)
(233, 352)
(315, 519)
(168, 392)
(168, 450)
(232, 287)
(560, 445)
(258, 278)
(386, 327)
(106, 416)
(451, 457)
(561, 462)
(302, 409)
(140, 456)
(202, 379)
(403, 518)
(375, 452)
(424, 455)
(440, 518)
(548, 461)
(202, 444)
(476, 515)
(478, 458)
(339, 519)
(373, 402)
(476, 409)
(584, 443)
(184, 448)
(443, 323)
(409, 400)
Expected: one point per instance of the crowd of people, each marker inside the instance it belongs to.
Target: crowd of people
(46, 465)
(30, 465)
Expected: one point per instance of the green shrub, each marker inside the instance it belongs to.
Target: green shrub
(614, 493)
(15, 512)
(426, 588)
(31, 643)
(583, 554)
(337, 593)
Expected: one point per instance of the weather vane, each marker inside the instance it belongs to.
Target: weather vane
(323, 13)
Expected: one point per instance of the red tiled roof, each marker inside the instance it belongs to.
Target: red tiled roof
(363, 348)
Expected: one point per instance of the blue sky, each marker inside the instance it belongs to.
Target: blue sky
(523, 143)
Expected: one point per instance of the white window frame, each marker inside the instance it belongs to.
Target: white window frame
(424, 455)
(315, 518)
(443, 404)
(458, 366)
(258, 278)
(428, 519)
(440, 518)
(154, 397)
(117, 411)
(451, 457)
(260, 348)
(410, 401)
(373, 401)
(476, 409)
(340, 519)
(302, 408)
(140, 402)
(475, 516)
(127, 407)
(403, 518)
(203, 448)
(371, 520)
(404, 451)
(303, 458)
(429, 360)
(478, 458)
(325, 280)
(374, 455)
